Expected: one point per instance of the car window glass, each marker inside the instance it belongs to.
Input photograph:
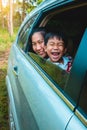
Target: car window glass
(55, 73)
(23, 35)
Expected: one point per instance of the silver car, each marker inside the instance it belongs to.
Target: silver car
(41, 95)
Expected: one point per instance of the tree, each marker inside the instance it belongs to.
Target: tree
(39, 1)
(10, 17)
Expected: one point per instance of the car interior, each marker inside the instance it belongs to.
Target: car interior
(73, 23)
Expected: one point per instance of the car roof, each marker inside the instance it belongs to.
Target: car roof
(48, 3)
(45, 5)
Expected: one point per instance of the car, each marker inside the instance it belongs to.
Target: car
(41, 95)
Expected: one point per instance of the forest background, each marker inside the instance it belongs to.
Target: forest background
(12, 14)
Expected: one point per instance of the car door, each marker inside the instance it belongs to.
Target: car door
(37, 105)
(79, 79)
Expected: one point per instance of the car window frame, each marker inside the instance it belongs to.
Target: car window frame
(28, 23)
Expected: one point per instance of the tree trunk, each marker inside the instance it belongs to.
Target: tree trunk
(1, 11)
(11, 17)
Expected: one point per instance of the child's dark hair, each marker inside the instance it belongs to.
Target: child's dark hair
(59, 35)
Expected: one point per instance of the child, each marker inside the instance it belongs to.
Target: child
(56, 47)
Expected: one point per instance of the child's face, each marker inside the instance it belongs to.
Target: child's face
(55, 49)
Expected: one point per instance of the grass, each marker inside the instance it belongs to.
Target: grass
(3, 101)
(5, 39)
(5, 43)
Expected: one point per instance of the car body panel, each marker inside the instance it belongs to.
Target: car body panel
(36, 96)
(74, 123)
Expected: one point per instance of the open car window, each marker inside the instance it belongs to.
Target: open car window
(72, 22)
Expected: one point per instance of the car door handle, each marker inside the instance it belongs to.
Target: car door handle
(15, 70)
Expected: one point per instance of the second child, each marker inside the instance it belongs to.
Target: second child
(56, 47)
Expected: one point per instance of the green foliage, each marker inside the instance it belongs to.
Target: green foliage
(20, 9)
(5, 43)
(5, 39)
(4, 125)
(39, 1)
(30, 9)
